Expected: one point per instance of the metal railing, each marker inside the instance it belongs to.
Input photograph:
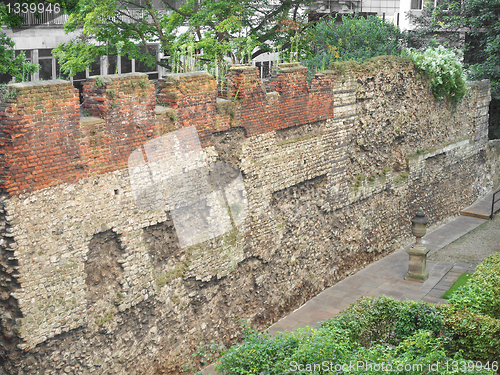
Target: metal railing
(44, 18)
(50, 18)
(493, 201)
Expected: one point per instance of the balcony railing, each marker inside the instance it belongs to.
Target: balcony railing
(43, 18)
(51, 18)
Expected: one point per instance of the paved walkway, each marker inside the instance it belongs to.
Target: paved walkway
(386, 277)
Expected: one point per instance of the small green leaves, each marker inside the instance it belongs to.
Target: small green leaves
(444, 71)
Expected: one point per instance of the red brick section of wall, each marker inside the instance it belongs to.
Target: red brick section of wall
(295, 105)
(126, 103)
(39, 134)
(193, 96)
(45, 143)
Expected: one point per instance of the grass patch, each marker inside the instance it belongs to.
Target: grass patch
(461, 281)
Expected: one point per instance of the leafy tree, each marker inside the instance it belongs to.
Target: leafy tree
(15, 66)
(357, 38)
(480, 19)
(224, 28)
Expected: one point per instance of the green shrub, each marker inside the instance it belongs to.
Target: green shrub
(481, 294)
(357, 38)
(368, 320)
(258, 353)
(384, 319)
(444, 71)
(416, 316)
(420, 353)
(321, 345)
(476, 336)
(327, 350)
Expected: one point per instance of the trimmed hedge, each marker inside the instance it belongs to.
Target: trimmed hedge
(384, 319)
(476, 336)
(481, 294)
(328, 350)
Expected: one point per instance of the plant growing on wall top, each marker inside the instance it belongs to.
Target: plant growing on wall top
(356, 38)
(444, 71)
(447, 22)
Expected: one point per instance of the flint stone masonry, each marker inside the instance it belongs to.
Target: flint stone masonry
(94, 282)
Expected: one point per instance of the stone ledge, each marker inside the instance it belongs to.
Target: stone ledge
(161, 110)
(91, 120)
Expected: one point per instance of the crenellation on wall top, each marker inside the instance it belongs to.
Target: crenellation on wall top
(291, 68)
(249, 69)
(125, 104)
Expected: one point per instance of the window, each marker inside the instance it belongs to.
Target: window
(416, 5)
(126, 65)
(60, 74)
(47, 64)
(112, 64)
(143, 67)
(95, 67)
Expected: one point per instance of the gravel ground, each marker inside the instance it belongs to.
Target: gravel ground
(474, 246)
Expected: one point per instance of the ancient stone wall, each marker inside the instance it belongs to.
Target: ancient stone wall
(295, 189)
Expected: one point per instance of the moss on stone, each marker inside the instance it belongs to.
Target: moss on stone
(373, 65)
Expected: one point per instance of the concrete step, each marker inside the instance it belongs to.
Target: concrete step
(482, 208)
(474, 214)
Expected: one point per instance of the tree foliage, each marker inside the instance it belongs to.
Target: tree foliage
(15, 66)
(357, 38)
(235, 29)
(480, 19)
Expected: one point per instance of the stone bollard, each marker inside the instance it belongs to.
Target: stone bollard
(418, 252)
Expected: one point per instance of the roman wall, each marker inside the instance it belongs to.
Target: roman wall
(140, 225)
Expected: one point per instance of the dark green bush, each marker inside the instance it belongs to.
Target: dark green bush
(383, 319)
(415, 316)
(327, 350)
(420, 353)
(476, 336)
(481, 294)
(357, 39)
(367, 320)
(260, 353)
